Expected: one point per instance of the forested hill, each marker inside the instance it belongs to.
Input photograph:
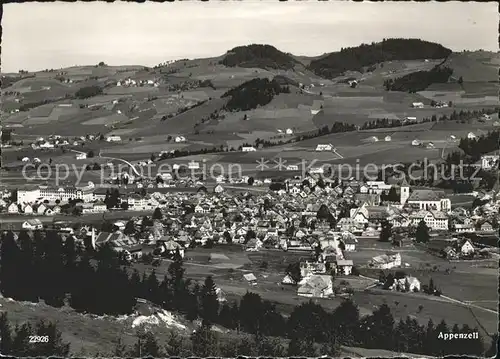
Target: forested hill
(259, 56)
(355, 58)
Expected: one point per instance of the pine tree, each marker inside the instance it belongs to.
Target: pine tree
(20, 344)
(386, 232)
(205, 342)
(209, 302)
(5, 334)
(55, 345)
(422, 233)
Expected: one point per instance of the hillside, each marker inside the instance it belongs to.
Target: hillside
(420, 80)
(259, 56)
(356, 58)
(253, 93)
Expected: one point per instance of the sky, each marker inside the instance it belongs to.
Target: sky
(40, 36)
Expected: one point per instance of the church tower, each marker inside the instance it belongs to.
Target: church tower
(405, 191)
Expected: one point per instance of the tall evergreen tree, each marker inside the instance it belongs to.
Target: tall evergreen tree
(205, 342)
(209, 302)
(422, 233)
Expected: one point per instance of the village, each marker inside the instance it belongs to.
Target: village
(332, 224)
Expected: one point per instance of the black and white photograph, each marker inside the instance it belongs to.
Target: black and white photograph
(249, 178)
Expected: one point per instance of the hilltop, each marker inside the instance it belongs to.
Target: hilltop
(357, 58)
(260, 56)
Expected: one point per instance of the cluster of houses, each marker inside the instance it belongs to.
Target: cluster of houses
(128, 82)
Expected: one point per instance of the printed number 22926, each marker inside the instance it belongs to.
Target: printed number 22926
(39, 339)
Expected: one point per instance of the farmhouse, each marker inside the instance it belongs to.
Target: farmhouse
(32, 224)
(113, 139)
(410, 119)
(321, 148)
(248, 149)
(386, 261)
(387, 138)
(416, 143)
(471, 136)
(179, 139)
(81, 156)
(194, 165)
(417, 105)
(407, 284)
(289, 131)
(316, 286)
(430, 145)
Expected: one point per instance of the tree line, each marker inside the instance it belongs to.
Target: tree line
(15, 340)
(45, 267)
(356, 58)
(253, 93)
(419, 81)
(258, 56)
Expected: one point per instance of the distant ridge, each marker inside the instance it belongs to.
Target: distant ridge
(259, 56)
(356, 58)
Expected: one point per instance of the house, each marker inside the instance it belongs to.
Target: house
(81, 156)
(316, 286)
(489, 162)
(288, 280)
(465, 247)
(430, 146)
(387, 138)
(386, 261)
(28, 209)
(410, 119)
(253, 245)
(41, 209)
(289, 131)
(32, 224)
(471, 136)
(250, 278)
(417, 105)
(350, 243)
(321, 148)
(486, 227)
(248, 149)
(99, 206)
(113, 139)
(344, 266)
(179, 139)
(218, 189)
(407, 284)
(416, 143)
(25, 159)
(194, 165)
(13, 208)
(169, 247)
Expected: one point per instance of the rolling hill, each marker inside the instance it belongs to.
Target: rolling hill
(259, 56)
(357, 58)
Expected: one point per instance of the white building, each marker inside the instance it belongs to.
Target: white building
(435, 220)
(47, 145)
(489, 162)
(113, 139)
(416, 143)
(289, 131)
(427, 199)
(248, 149)
(387, 138)
(179, 139)
(417, 105)
(32, 224)
(81, 156)
(321, 148)
(194, 165)
(292, 168)
(471, 136)
(386, 261)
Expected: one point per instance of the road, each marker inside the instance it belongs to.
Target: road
(122, 160)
